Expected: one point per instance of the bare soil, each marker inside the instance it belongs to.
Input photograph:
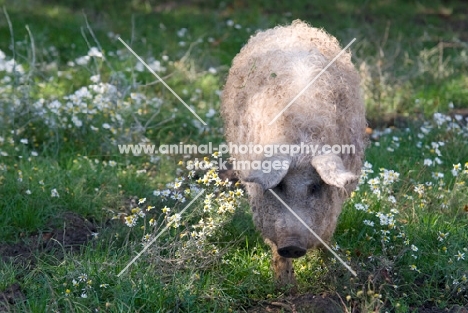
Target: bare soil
(73, 232)
(309, 303)
(306, 303)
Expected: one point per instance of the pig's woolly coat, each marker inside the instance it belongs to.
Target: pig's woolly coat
(270, 70)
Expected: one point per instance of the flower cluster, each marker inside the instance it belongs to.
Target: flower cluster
(194, 231)
(392, 206)
(381, 209)
(81, 286)
(100, 110)
(9, 66)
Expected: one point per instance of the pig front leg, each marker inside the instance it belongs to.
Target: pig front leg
(283, 271)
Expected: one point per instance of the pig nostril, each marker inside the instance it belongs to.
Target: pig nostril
(291, 252)
(298, 253)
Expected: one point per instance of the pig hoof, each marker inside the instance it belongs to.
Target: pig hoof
(291, 252)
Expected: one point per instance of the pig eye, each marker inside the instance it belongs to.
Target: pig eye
(313, 188)
(280, 186)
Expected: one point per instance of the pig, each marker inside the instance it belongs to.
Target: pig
(269, 101)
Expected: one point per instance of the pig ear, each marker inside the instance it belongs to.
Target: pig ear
(332, 171)
(271, 178)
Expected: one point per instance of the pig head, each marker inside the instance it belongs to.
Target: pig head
(314, 189)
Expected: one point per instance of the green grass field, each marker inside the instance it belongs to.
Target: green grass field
(74, 211)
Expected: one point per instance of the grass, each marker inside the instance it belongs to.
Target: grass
(404, 233)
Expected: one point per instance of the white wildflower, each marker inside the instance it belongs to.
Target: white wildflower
(442, 236)
(460, 256)
(94, 52)
(428, 162)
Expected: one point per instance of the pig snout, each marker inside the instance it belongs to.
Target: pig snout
(291, 247)
(291, 236)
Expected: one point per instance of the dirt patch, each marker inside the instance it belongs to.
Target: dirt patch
(69, 232)
(75, 232)
(305, 303)
(325, 303)
(10, 296)
(72, 232)
(433, 309)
